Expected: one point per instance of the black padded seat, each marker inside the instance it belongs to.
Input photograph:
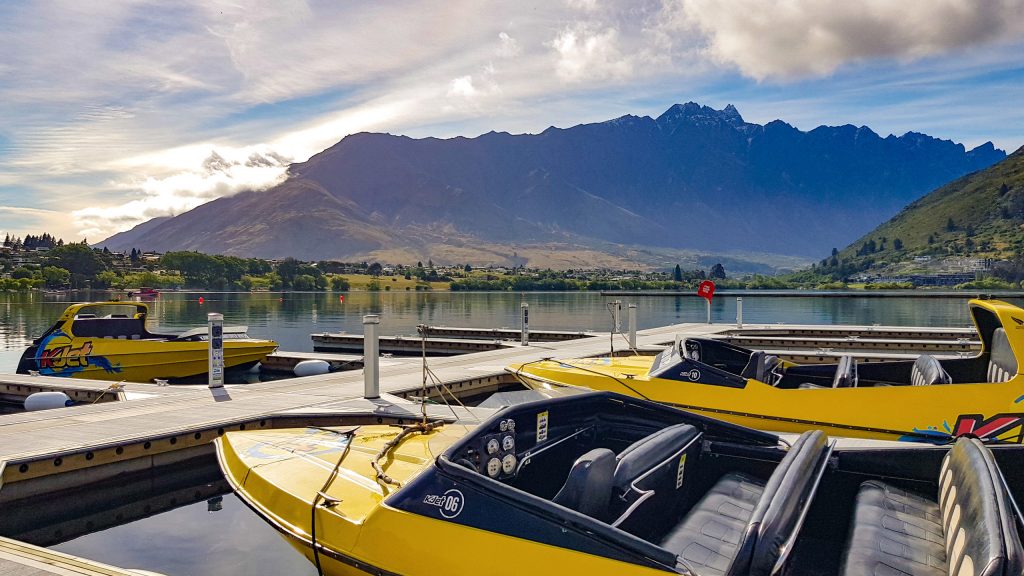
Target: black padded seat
(846, 373)
(589, 485)
(969, 531)
(928, 371)
(646, 453)
(649, 480)
(1002, 364)
(759, 367)
(709, 537)
(743, 525)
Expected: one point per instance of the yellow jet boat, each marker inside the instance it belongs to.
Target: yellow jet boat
(607, 485)
(110, 341)
(917, 400)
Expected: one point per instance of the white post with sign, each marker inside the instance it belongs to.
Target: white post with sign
(739, 311)
(631, 313)
(215, 337)
(525, 340)
(371, 357)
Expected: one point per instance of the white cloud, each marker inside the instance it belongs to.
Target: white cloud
(223, 172)
(585, 52)
(795, 38)
(462, 86)
(117, 109)
(509, 46)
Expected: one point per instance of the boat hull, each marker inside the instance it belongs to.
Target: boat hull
(277, 473)
(136, 360)
(910, 413)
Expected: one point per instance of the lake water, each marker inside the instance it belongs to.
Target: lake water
(290, 318)
(223, 537)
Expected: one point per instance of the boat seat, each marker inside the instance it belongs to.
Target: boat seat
(968, 530)
(648, 478)
(1002, 364)
(743, 525)
(588, 488)
(927, 371)
(846, 373)
(759, 367)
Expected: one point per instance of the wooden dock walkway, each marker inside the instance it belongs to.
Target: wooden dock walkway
(285, 361)
(135, 427)
(20, 559)
(406, 345)
(504, 334)
(151, 422)
(156, 422)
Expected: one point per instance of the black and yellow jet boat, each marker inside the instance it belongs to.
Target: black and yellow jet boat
(110, 341)
(604, 484)
(919, 400)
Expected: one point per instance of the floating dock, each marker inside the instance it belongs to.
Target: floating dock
(138, 427)
(406, 345)
(285, 361)
(503, 334)
(20, 559)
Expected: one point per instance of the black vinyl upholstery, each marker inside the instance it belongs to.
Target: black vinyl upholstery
(709, 537)
(742, 525)
(759, 367)
(846, 373)
(648, 452)
(927, 370)
(589, 485)
(1002, 364)
(969, 531)
(648, 484)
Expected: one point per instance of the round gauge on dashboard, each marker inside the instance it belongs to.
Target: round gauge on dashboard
(511, 425)
(494, 467)
(492, 446)
(508, 443)
(503, 426)
(508, 463)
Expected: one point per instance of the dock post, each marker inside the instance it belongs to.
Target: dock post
(617, 316)
(215, 338)
(525, 337)
(739, 311)
(371, 357)
(631, 312)
(709, 310)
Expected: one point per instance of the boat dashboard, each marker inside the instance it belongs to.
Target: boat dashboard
(525, 445)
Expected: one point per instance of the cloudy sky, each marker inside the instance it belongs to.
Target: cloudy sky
(114, 112)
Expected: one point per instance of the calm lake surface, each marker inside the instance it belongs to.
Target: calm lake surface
(290, 318)
(199, 538)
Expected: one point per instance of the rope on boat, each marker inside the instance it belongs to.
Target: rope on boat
(321, 495)
(437, 383)
(115, 387)
(421, 427)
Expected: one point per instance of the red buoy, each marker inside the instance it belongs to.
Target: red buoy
(341, 299)
(201, 300)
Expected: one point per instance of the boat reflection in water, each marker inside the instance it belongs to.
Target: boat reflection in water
(176, 520)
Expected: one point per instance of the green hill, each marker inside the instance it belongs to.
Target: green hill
(979, 215)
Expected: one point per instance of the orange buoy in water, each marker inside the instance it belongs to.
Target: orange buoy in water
(201, 300)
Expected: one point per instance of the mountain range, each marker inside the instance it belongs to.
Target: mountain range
(981, 214)
(625, 190)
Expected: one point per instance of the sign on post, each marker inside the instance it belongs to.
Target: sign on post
(706, 290)
(215, 336)
(525, 340)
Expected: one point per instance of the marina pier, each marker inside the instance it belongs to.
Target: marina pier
(133, 427)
